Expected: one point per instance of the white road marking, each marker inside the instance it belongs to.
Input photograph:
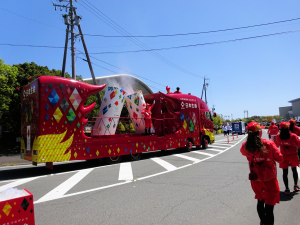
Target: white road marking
(141, 178)
(221, 146)
(125, 172)
(63, 188)
(164, 164)
(17, 183)
(203, 153)
(187, 157)
(211, 149)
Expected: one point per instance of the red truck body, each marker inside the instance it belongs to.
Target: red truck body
(54, 117)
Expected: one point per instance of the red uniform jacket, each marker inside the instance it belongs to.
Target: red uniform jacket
(273, 130)
(296, 130)
(267, 170)
(289, 146)
(147, 114)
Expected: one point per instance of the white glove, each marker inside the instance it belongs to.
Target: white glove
(154, 102)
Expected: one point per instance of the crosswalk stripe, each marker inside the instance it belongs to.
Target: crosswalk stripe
(216, 150)
(203, 153)
(125, 172)
(220, 146)
(64, 187)
(224, 144)
(187, 157)
(17, 183)
(164, 164)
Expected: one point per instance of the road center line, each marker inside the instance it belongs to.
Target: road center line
(64, 187)
(125, 172)
(164, 164)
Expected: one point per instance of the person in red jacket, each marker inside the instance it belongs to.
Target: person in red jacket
(273, 131)
(289, 144)
(261, 155)
(296, 130)
(147, 114)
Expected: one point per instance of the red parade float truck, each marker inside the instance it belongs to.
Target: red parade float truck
(54, 117)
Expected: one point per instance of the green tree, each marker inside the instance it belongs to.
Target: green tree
(217, 121)
(8, 76)
(13, 77)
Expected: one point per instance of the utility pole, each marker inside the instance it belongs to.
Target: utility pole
(205, 86)
(213, 109)
(73, 19)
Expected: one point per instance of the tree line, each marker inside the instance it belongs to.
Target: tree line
(14, 76)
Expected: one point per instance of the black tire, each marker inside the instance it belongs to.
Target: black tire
(113, 160)
(189, 146)
(135, 157)
(204, 143)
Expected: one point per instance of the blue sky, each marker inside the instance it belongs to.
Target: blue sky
(258, 75)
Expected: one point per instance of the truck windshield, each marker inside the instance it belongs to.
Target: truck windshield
(208, 116)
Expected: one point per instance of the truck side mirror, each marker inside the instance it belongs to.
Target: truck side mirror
(215, 114)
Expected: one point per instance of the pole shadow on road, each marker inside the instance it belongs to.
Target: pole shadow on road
(284, 197)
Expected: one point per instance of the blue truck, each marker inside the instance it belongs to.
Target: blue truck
(238, 127)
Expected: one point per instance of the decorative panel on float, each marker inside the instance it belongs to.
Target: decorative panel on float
(135, 104)
(110, 111)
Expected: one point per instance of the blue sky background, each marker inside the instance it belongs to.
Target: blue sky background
(258, 75)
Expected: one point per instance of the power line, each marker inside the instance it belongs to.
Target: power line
(159, 49)
(30, 19)
(34, 46)
(126, 71)
(201, 44)
(193, 33)
(114, 72)
(119, 29)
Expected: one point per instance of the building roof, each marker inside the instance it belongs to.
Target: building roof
(295, 100)
(129, 83)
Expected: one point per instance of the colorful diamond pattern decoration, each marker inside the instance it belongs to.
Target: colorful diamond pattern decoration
(184, 124)
(191, 126)
(53, 97)
(57, 115)
(78, 125)
(64, 104)
(75, 99)
(7, 208)
(71, 116)
(47, 107)
(87, 149)
(47, 117)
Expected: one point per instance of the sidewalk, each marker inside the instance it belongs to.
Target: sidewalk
(12, 160)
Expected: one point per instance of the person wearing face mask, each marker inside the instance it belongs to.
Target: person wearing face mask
(289, 144)
(262, 155)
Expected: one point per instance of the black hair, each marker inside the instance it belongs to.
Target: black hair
(291, 128)
(284, 134)
(178, 88)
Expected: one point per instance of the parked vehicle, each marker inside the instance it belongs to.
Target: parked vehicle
(239, 127)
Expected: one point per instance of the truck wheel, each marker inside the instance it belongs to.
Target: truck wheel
(189, 146)
(113, 159)
(135, 157)
(204, 143)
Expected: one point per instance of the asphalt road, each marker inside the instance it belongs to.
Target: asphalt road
(199, 187)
